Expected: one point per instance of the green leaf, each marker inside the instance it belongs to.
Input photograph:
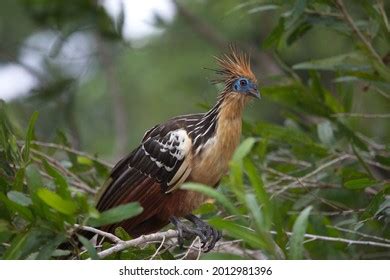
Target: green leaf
(122, 234)
(239, 232)
(14, 207)
(287, 135)
(275, 36)
(15, 249)
(205, 208)
(59, 180)
(298, 32)
(260, 192)
(375, 203)
(325, 133)
(84, 161)
(56, 202)
(255, 211)
(298, 234)
(166, 255)
(34, 178)
(117, 214)
(243, 149)
(19, 178)
(262, 8)
(296, 13)
(90, 248)
(222, 199)
(19, 198)
(385, 206)
(353, 61)
(361, 183)
(48, 250)
(29, 136)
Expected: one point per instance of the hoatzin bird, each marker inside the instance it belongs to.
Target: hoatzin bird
(195, 148)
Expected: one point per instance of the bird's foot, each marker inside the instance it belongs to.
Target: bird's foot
(207, 234)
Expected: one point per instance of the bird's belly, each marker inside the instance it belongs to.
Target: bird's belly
(181, 203)
(208, 171)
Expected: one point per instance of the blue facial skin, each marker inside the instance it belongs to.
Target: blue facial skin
(243, 85)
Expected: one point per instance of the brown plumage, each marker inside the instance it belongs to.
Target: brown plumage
(194, 148)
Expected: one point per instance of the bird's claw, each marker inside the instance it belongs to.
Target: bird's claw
(207, 234)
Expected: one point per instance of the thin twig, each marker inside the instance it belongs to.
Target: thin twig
(289, 160)
(314, 172)
(360, 233)
(63, 170)
(381, 92)
(371, 142)
(361, 115)
(73, 183)
(191, 247)
(324, 14)
(325, 165)
(73, 151)
(339, 239)
(356, 30)
(158, 249)
(331, 213)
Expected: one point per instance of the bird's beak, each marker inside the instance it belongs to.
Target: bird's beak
(254, 92)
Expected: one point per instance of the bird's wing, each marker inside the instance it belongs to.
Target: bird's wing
(163, 158)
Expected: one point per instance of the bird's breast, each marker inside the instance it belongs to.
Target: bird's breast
(211, 162)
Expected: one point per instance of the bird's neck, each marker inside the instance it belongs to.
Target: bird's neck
(231, 107)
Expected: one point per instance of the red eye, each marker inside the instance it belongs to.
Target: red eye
(243, 83)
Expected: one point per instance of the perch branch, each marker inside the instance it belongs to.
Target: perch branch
(108, 235)
(158, 236)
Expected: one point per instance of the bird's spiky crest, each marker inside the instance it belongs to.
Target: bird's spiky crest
(232, 66)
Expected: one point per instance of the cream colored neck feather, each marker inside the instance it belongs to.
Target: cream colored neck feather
(213, 162)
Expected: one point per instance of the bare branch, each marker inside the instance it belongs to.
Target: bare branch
(108, 235)
(158, 236)
(314, 237)
(360, 233)
(325, 165)
(221, 246)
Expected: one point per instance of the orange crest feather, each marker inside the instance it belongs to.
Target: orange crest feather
(234, 65)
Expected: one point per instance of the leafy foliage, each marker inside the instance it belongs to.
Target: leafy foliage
(310, 185)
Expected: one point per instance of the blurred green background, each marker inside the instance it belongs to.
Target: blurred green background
(105, 89)
(311, 179)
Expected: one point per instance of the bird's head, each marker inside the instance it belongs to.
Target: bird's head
(236, 75)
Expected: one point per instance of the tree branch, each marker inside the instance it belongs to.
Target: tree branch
(356, 30)
(158, 236)
(162, 237)
(108, 235)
